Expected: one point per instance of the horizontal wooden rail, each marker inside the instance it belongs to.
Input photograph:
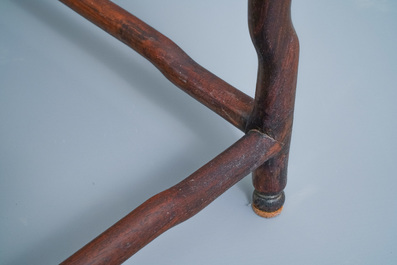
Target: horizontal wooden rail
(227, 101)
(177, 203)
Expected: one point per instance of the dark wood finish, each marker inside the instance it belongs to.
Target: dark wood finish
(277, 47)
(227, 101)
(178, 203)
(267, 121)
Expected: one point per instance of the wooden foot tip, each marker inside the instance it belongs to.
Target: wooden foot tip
(267, 214)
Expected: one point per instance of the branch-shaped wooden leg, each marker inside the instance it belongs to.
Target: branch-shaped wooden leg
(178, 203)
(277, 47)
(264, 148)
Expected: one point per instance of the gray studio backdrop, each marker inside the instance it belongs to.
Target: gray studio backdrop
(89, 130)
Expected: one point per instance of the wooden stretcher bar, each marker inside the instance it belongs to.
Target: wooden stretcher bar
(266, 121)
(230, 103)
(178, 203)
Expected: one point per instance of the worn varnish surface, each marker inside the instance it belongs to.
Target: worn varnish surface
(277, 47)
(267, 121)
(178, 203)
(230, 103)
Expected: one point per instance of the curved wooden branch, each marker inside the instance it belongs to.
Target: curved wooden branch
(178, 203)
(227, 101)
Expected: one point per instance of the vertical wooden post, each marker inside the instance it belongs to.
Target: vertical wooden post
(277, 47)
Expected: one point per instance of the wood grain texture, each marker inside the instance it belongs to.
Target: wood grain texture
(277, 46)
(267, 121)
(227, 101)
(177, 203)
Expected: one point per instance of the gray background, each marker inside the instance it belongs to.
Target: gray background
(89, 130)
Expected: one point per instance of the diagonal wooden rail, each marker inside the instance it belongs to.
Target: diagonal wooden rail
(230, 103)
(266, 120)
(178, 203)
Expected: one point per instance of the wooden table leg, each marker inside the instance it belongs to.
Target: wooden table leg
(264, 148)
(277, 47)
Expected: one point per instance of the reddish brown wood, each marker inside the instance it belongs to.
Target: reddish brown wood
(277, 47)
(227, 101)
(267, 121)
(178, 203)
